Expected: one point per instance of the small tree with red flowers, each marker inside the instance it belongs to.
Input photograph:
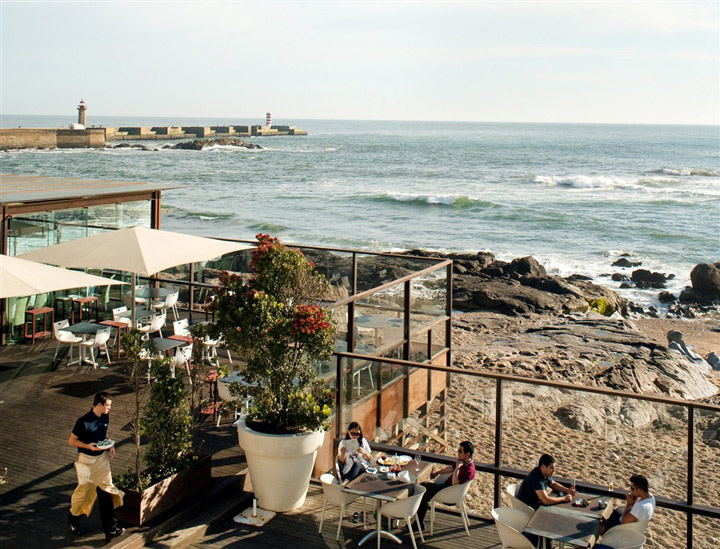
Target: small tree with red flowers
(274, 322)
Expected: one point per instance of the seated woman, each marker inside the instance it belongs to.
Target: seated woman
(353, 453)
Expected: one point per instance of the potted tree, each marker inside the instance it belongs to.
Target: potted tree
(273, 321)
(173, 472)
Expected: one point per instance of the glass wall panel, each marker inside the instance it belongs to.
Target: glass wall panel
(706, 532)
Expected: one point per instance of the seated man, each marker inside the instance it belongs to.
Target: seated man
(463, 470)
(533, 490)
(639, 506)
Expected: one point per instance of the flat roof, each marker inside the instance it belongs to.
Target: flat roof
(24, 189)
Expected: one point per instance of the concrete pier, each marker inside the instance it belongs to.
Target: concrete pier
(60, 138)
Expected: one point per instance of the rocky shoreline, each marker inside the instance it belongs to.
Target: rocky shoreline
(194, 145)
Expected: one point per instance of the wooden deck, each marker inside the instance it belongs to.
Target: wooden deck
(40, 403)
(38, 413)
(299, 529)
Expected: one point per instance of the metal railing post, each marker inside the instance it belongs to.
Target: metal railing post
(690, 472)
(339, 390)
(498, 441)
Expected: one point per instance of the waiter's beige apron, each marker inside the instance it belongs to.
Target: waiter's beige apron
(93, 471)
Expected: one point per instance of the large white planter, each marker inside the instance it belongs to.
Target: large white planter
(280, 465)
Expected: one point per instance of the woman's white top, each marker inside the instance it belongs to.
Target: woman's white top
(351, 450)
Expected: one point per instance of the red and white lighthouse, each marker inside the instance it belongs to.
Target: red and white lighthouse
(82, 108)
(268, 119)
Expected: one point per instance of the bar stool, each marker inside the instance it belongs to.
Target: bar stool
(82, 302)
(41, 312)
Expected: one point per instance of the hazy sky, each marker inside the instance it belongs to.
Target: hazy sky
(576, 61)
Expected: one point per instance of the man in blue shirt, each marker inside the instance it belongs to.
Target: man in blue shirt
(534, 489)
(93, 469)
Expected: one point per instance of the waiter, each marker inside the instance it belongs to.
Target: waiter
(93, 470)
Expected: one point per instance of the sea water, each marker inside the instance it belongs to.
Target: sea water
(574, 196)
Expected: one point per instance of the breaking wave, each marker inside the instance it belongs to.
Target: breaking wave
(453, 200)
(686, 172)
(180, 213)
(584, 181)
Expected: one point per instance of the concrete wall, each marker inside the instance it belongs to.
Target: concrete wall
(79, 139)
(50, 138)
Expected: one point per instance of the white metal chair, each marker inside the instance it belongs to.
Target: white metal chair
(180, 328)
(515, 503)
(100, 342)
(332, 490)
(638, 526)
(64, 338)
(169, 303)
(182, 360)
(452, 495)
(510, 523)
(156, 325)
(404, 508)
(622, 539)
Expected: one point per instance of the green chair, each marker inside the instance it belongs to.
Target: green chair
(17, 318)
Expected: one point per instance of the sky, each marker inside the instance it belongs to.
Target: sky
(642, 62)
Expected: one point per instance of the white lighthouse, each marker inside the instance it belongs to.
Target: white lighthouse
(268, 119)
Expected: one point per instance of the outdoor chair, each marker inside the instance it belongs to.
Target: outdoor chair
(117, 318)
(100, 342)
(638, 526)
(180, 328)
(515, 503)
(332, 490)
(510, 523)
(621, 539)
(452, 495)
(156, 325)
(141, 300)
(182, 360)
(169, 303)
(403, 508)
(64, 338)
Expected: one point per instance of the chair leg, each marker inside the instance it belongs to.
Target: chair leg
(410, 529)
(417, 520)
(340, 521)
(466, 520)
(322, 516)
(107, 353)
(432, 518)
(379, 528)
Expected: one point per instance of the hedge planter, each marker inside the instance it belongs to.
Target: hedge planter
(280, 465)
(139, 507)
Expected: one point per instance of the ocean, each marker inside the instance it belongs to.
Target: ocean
(574, 196)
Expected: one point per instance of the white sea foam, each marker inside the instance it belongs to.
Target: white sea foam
(686, 172)
(585, 181)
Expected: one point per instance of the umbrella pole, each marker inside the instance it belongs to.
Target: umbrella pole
(132, 306)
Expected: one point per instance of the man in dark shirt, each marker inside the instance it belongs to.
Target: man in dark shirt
(93, 469)
(463, 470)
(534, 489)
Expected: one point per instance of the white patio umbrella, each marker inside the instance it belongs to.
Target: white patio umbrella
(137, 250)
(19, 277)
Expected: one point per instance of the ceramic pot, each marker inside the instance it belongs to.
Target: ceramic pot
(280, 465)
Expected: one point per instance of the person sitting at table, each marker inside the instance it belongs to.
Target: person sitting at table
(533, 490)
(639, 506)
(463, 470)
(354, 454)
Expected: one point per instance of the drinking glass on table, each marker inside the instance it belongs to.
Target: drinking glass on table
(417, 463)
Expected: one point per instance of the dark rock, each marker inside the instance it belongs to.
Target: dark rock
(705, 278)
(527, 266)
(666, 297)
(200, 144)
(574, 277)
(713, 359)
(646, 279)
(622, 262)
(625, 285)
(618, 277)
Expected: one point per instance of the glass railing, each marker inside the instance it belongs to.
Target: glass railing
(599, 437)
